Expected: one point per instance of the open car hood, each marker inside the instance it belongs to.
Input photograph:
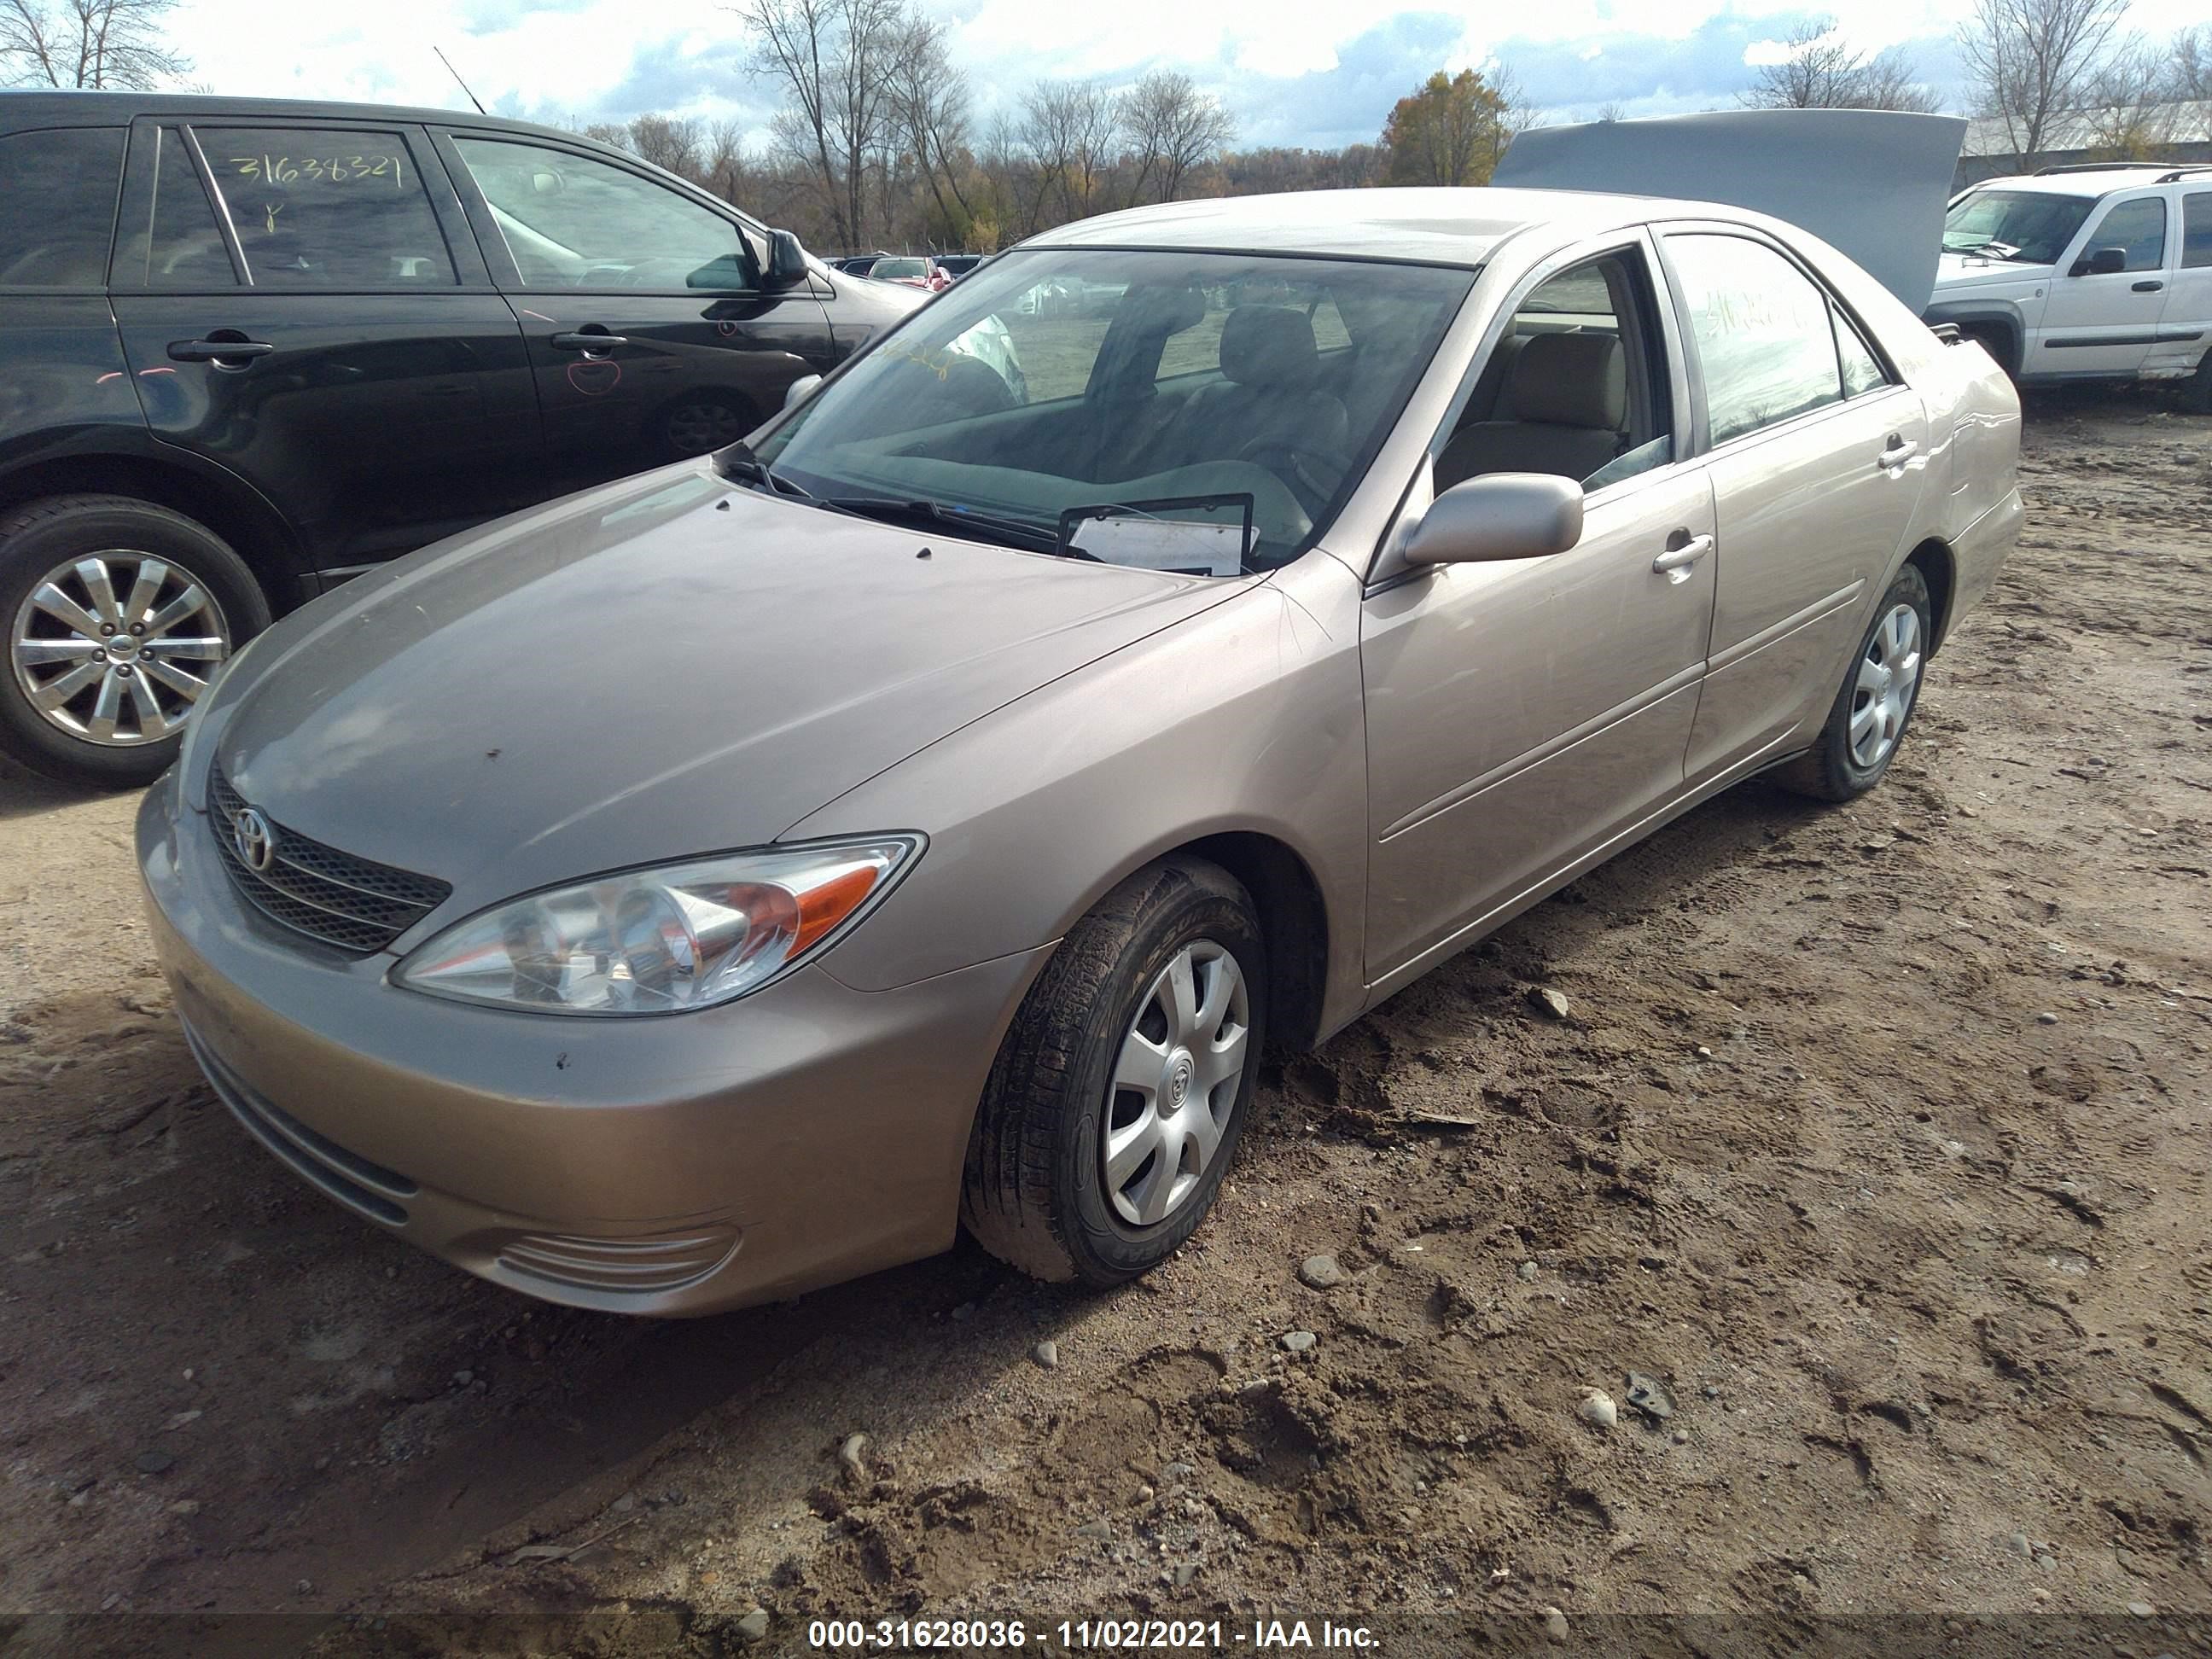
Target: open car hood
(1872, 184)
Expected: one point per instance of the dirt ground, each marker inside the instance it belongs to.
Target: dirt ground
(1877, 1136)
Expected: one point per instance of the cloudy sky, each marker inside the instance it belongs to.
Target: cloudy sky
(1307, 72)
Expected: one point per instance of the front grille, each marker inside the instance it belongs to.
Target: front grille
(352, 1180)
(353, 903)
(657, 1262)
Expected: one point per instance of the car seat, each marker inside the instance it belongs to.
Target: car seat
(1569, 397)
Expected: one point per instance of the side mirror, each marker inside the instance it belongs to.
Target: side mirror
(786, 261)
(2104, 262)
(1500, 515)
(800, 390)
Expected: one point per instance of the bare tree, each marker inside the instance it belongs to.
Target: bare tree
(1069, 128)
(835, 59)
(1822, 70)
(1516, 112)
(114, 44)
(1172, 127)
(929, 105)
(2189, 67)
(677, 145)
(2031, 61)
(2130, 109)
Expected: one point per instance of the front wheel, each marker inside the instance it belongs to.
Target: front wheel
(1881, 690)
(117, 612)
(1119, 1095)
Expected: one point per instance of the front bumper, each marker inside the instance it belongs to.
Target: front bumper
(676, 1164)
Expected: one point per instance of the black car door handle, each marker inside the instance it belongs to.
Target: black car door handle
(589, 340)
(217, 351)
(2148, 287)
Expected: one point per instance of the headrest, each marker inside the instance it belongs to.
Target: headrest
(1570, 379)
(1270, 346)
(1170, 310)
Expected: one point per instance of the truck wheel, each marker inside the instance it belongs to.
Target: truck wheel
(117, 612)
(1118, 1097)
(2197, 395)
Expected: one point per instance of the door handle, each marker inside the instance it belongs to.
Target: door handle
(2147, 288)
(218, 351)
(1683, 550)
(588, 341)
(1900, 450)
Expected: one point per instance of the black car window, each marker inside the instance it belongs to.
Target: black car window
(173, 241)
(60, 207)
(1765, 344)
(573, 222)
(336, 209)
(2197, 229)
(2137, 227)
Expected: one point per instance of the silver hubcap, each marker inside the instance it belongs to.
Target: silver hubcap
(1888, 674)
(1175, 1083)
(114, 648)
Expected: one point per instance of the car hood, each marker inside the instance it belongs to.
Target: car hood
(1956, 272)
(1872, 184)
(662, 667)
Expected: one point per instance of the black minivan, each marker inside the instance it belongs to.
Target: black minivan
(251, 347)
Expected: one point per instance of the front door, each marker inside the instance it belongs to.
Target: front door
(1817, 453)
(650, 335)
(2107, 322)
(320, 329)
(1522, 714)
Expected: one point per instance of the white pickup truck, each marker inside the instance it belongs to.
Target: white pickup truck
(2086, 273)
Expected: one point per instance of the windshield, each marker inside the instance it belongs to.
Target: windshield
(1242, 395)
(2027, 227)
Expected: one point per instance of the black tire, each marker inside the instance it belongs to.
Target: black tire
(34, 541)
(1035, 1188)
(2196, 393)
(1827, 770)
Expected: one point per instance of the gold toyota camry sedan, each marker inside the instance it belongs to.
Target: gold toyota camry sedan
(736, 877)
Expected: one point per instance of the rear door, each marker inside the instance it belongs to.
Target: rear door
(651, 338)
(2184, 327)
(1817, 452)
(2107, 322)
(301, 302)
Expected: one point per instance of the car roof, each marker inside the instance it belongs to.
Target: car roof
(23, 109)
(2091, 183)
(1430, 225)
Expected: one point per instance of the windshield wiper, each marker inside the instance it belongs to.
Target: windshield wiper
(738, 461)
(1014, 532)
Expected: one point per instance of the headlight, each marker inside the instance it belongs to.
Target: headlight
(662, 940)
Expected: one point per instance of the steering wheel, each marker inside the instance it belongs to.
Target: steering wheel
(1312, 493)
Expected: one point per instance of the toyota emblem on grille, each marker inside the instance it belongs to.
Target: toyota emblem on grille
(250, 833)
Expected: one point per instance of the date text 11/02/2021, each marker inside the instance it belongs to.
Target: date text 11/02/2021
(1084, 1635)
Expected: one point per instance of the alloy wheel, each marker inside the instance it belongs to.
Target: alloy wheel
(695, 429)
(1175, 1083)
(1888, 674)
(112, 647)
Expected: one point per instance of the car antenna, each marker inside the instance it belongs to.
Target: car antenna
(457, 82)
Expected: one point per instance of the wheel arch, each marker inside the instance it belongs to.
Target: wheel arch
(252, 528)
(1293, 919)
(1940, 570)
(1987, 324)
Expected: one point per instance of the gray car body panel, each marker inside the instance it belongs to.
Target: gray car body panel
(677, 665)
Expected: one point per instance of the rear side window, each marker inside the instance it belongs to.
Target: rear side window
(327, 209)
(2137, 227)
(58, 206)
(573, 222)
(173, 241)
(1862, 371)
(1765, 345)
(2197, 228)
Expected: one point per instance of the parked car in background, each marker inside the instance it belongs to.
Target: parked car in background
(249, 348)
(2099, 272)
(856, 265)
(957, 265)
(1056, 747)
(913, 271)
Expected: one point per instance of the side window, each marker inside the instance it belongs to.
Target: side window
(573, 222)
(1862, 371)
(172, 239)
(61, 206)
(1577, 386)
(1765, 348)
(2197, 229)
(2137, 227)
(316, 209)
